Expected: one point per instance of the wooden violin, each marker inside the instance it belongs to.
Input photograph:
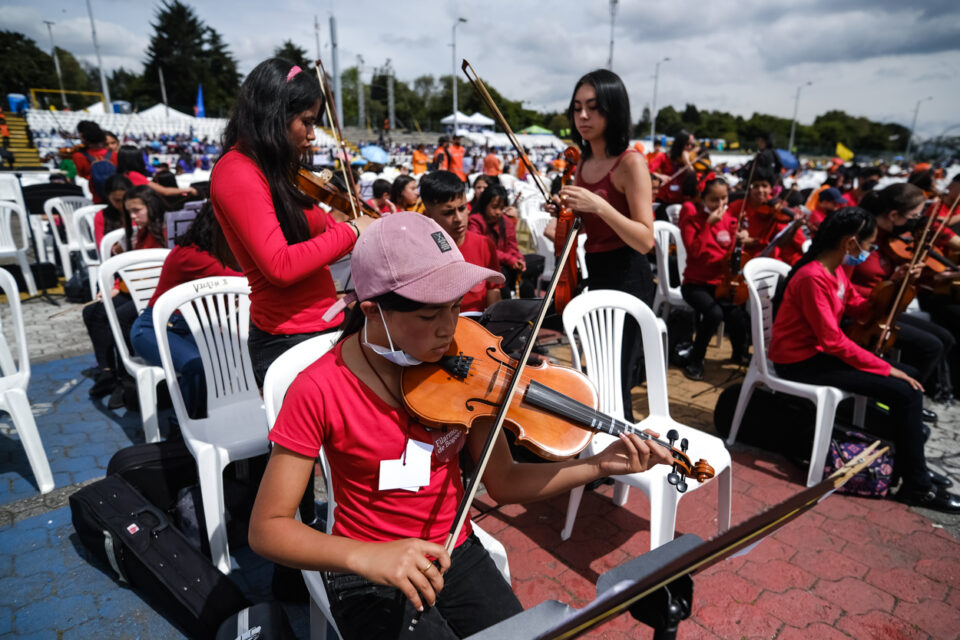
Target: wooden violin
(316, 188)
(569, 276)
(553, 413)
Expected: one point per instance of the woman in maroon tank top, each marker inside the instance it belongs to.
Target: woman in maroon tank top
(614, 198)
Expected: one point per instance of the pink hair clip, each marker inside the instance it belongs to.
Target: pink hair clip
(294, 70)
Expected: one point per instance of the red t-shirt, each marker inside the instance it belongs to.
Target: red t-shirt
(502, 236)
(808, 321)
(136, 178)
(479, 250)
(706, 244)
(290, 284)
(669, 192)
(600, 237)
(328, 407)
(184, 264)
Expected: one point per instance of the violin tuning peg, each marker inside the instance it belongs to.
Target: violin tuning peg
(682, 486)
(673, 478)
(684, 444)
(672, 436)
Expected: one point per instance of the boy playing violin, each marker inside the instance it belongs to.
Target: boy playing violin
(764, 221)
(384, 559)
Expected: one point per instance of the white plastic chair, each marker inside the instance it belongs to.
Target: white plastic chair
(597, 317)
(673, 213)
(278, 379)
(217, 310)
(13, 388)
(140, 271)
(89, 252)
(668, 296)
(9, 247)
(762, 276)
(66, 206)
(106, 243)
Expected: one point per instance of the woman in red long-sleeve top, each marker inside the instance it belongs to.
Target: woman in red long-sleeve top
(281, 240)
(490, 221)
(808, 346)
(708, 236)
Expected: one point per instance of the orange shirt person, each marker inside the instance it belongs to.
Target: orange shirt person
(455, 153)
(419, 160)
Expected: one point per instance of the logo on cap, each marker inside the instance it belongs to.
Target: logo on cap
(441, 241)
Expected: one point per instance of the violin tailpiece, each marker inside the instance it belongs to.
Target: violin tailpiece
(458, 366)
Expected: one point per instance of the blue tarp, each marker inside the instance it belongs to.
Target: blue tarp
(788, 160)
(373, 153)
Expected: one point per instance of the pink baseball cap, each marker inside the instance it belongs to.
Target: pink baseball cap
(411, 255)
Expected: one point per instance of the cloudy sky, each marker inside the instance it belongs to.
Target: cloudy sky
(874, 58)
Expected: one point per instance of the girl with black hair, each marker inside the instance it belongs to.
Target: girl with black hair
(923, 344)
(384, 558)
(283, 242)
(491, 221)
(191, 259)
(131, 165)
(808, 346)
(145, 209)
(664, 166)
(612, 194)
(708, 235)
(114, 216)
(404, 193)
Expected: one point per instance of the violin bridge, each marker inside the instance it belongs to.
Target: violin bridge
(458, 366)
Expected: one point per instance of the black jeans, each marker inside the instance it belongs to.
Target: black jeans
(528, 278)
(266, 347)
(627, 270)
(922, 345)
(904, 401)
(474, 597)
(710, 313)
(98, 327)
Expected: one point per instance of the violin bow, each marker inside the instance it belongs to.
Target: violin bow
(474, 480)
(331, 111)
(682, 169)
(481, 89)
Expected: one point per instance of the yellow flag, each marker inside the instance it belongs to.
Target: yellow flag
(843, 153)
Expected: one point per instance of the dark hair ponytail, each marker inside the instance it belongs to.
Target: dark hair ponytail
(156, 213)
(849, 221)
(900, 196)
(266, 106)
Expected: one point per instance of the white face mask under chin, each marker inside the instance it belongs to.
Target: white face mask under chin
(396, 356)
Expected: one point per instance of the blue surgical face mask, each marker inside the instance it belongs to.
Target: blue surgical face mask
(852, 261)
(396, 356)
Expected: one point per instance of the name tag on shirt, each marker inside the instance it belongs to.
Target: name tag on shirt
(411, 471)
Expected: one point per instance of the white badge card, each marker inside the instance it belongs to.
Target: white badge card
(409, 472)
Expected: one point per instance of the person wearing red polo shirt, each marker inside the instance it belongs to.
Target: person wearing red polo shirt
(762, 223)
(445, 202)
(808, 346)
(708, 236)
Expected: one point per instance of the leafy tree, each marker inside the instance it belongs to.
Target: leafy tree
(23, 65)
(190, 53)
(293, 53)
(669, 121)
(691, 116)
(642, 127)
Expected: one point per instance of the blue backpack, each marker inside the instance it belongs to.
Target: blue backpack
(100, 172)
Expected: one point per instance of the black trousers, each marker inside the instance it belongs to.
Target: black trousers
(904, 401)
(946, 314)
(474, 597)
(923, 345)
(528, 278)
(710, 313)
(98, 327)
(627, 270)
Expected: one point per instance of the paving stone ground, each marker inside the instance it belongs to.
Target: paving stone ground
(851, 568)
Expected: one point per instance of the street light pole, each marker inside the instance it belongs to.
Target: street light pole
(103, 78)
(56, 62)
(361, 116)
(906, 154)
(613, 16)
(653, 109)
(796, 103)
(453, 72)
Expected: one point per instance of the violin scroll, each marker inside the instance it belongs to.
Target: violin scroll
(682, 467)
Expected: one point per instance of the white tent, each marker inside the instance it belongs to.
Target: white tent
(479, 120)
(159, 111)
(462, 118)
